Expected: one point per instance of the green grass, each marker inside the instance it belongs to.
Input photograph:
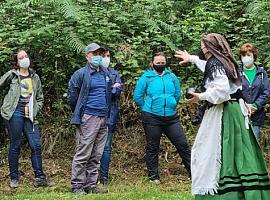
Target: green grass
(117, 191)
(133, 195)
(130, 184)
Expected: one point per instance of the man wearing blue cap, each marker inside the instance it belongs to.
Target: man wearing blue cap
(89, 96)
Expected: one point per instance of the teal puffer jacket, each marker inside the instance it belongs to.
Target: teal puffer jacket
(158, 94)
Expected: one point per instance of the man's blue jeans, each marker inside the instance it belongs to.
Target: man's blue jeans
(256, 130)
(17, 126)
(106, 157)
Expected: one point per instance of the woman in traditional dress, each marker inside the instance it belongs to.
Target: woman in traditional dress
(226, 160)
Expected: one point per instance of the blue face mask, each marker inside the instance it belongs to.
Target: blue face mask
(95, 61)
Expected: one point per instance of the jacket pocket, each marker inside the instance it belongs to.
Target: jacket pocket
(157, 105)
(171, 102)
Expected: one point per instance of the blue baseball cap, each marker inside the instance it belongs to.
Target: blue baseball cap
(91, 47)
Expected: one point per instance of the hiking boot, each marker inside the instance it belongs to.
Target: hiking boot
(14, 184)
(43, 182)
(78, 191)
(96, 190)
(155, 181)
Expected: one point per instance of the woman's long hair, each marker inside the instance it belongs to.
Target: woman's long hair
(14, 59)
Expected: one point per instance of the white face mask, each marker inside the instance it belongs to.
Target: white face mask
(247, 61)
(106, 62)
(24, 63)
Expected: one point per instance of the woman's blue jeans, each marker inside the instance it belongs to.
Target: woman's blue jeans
(18, 126)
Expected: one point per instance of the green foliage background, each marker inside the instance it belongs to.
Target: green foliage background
(55, 32)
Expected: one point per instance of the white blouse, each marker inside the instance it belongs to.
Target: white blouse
(217, 90)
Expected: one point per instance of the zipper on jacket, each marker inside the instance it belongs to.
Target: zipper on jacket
(164, 95)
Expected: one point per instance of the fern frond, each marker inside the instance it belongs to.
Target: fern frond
(152, 23)
(168, 42)
(167, 27)
(257, 7)
(68, 8)
(159, 24)
(75, 42)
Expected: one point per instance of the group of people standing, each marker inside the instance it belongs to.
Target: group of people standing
(225, 162)
(93, 95)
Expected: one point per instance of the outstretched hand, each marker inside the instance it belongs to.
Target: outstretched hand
(184, 55)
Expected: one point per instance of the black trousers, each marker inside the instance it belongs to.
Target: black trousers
(154, 126)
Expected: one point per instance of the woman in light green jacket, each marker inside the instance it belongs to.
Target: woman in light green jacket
(21, 104)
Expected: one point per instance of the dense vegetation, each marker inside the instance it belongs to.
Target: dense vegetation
(55, 33)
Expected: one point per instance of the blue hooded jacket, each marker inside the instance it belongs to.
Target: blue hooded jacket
(257, 93)
(158, 94)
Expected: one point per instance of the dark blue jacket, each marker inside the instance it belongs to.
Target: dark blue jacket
(78, 89)
(112, 120)
(256, 93)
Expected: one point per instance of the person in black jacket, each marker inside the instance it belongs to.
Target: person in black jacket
(255, 86)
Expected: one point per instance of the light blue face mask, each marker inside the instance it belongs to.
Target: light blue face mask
(105, 62)
(96, 61)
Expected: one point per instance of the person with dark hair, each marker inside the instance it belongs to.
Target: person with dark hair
(89, 96)
(226, 159)
(117, 87)
(21, 105)
(255, 85)
(157, 93)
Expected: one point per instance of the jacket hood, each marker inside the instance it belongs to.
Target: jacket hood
(259, 68)
(151, 73)
(31, 71)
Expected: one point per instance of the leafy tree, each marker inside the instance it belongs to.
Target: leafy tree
(55, 33)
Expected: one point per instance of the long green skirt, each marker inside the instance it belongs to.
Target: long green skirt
(243, 172)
